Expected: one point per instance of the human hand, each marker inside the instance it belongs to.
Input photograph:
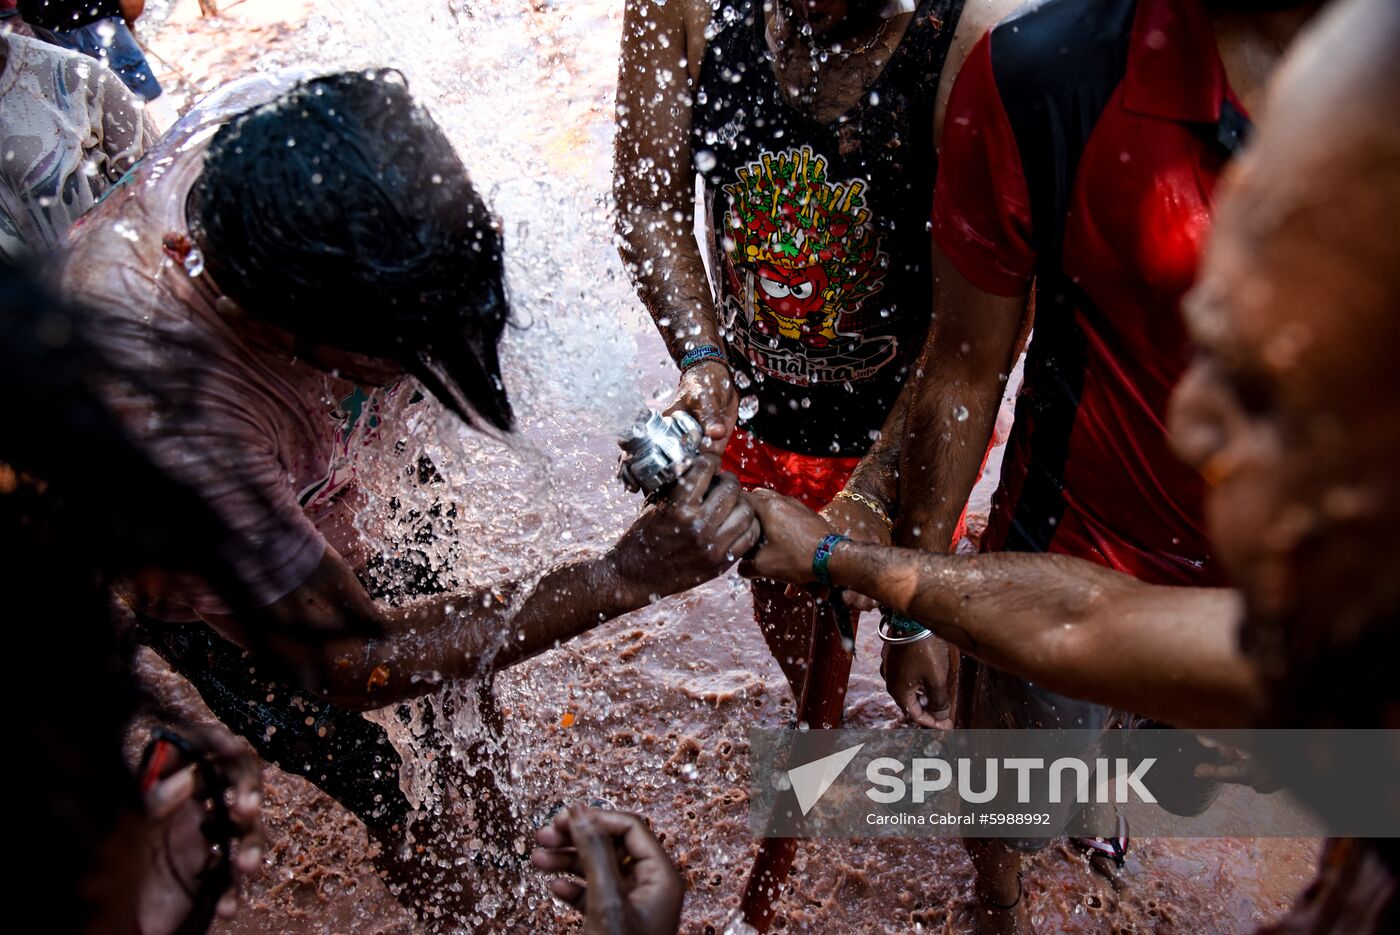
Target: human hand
(707, 392)
(630, 887)
(855, 519)
(1236, 767)
(791, 534)
(190, 781)
(691, 536)
(916, 676)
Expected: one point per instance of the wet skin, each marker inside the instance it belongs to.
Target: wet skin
(1285, 412)
(1290, 409)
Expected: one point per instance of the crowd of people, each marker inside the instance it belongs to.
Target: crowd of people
(1184, 215)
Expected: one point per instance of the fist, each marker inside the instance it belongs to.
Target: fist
(791, 534)
(707, 392)
(702, 527)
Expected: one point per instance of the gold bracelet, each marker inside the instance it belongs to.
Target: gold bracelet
(870, 503)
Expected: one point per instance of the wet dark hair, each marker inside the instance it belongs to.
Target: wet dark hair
(341, 213)
(79, 506)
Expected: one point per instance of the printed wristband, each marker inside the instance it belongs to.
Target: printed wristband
(699, 355)
(822, 556)
(902, 624)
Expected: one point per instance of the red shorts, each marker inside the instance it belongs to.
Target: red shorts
(812, 479)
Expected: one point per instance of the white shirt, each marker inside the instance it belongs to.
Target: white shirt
(69, 128)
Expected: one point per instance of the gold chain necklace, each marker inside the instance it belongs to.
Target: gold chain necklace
(805, 31)
(819, 53)
(861, 49)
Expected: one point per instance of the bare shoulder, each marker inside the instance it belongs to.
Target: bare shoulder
(691, 15)
(978, 16)
(666, 32)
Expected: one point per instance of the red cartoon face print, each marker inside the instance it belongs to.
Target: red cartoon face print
(793, 303)
(800, 257)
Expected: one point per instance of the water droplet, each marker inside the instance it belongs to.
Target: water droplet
(194, 262)
(960, 413)
(748, 408)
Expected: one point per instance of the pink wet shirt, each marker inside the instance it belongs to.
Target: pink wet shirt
(273, 444)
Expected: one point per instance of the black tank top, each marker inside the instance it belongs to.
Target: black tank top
(60, 15)
(821, 231)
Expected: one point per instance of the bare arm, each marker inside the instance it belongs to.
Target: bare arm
(953, 404)
(951, 407)
(337, 641)
(1075, 627)
(877, 475)
(653, 181)
(978, 16)
(449, 636)
(663, 44)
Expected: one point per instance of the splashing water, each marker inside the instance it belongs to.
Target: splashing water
(649, 712)
(570, 359)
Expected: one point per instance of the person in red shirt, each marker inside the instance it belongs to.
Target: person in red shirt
(1082, 144)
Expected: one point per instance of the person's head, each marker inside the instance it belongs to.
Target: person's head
(341, 214)
(1292, 410)
(62, 541)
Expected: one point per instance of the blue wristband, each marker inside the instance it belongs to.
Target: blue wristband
(698, 355)
(822, 557)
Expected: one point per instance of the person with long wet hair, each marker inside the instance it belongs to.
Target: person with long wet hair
(104, 849)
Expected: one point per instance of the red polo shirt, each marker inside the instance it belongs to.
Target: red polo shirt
(1082, 146)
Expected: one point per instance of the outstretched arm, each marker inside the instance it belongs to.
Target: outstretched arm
(337, 641)
(1075, 627)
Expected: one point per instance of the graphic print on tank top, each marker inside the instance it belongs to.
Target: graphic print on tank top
(816, 231)
(801, 261)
